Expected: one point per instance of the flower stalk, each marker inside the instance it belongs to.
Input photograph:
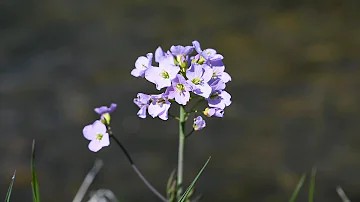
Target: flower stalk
(180, 171)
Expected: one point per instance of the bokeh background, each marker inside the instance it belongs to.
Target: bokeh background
(295, 92)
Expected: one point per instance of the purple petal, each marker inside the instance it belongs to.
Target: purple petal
(105, 141)
(176, 50)
(154, 110)
(164, 115)
(99, 127)
(88, 132)
(142, 112)
(208, 53)
(197, 47)
(112, 108)
(159, 54)
(218, 69)
(208, 73)
(137, 72)
(216, 63)
(225, 77)
(182, 98)
(152, 74)
(205, 90)
(216, 102)
(187, 50)
(217, 84)
(101, 110)
(225, 97)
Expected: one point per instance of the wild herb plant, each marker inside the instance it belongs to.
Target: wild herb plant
(184, 79)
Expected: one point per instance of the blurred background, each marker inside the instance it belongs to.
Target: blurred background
(295, 92)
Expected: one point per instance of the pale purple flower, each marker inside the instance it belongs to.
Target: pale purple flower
(159, 106)
(163, 74)
(209, 54)
(160, 54)
(97, 135)
(105, 112)
(209, 112)
(219, 99)
(181, 50)
(142, 101)
(199, 76)
(199, 123)
(141, 65)
(181, 54)
(179, 90)
(219, 73)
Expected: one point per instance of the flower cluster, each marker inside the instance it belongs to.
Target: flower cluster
(97, 132)
(183, 75)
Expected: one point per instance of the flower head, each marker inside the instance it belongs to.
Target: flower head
(159, 106)
(209, 112)
(179, 90)
(199, 123)
(142, 101)
(163, 74)
(199, 76)
(105, 112)
(141, 65)
(97, 135)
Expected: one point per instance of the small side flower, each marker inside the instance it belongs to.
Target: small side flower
(199, 123)
(105, 112)
(97, 135)
(142, 101)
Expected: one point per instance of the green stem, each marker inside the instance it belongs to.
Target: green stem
(181, 152)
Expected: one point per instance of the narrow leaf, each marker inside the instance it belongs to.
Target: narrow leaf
(34, 182)
(312, 185)
(298, 187)
(8, 194)
(184, 196)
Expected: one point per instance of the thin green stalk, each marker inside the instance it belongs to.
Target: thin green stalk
(298, 187)
(182, 117)
(131, 161)
(312, 185)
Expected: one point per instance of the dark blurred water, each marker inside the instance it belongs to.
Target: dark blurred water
(295, 88)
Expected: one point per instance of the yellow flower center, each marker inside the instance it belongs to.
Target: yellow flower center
(99, 136)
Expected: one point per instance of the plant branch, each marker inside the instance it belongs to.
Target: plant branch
(141, 176)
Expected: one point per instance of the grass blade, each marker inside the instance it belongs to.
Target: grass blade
(312, 185)
(34, 182)
(298, 187)
(8, 194)
(188, 190)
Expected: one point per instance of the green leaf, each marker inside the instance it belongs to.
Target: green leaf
(298, 187)
(34, 182)
(188, 190)
(8, 194)
(312, 185)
